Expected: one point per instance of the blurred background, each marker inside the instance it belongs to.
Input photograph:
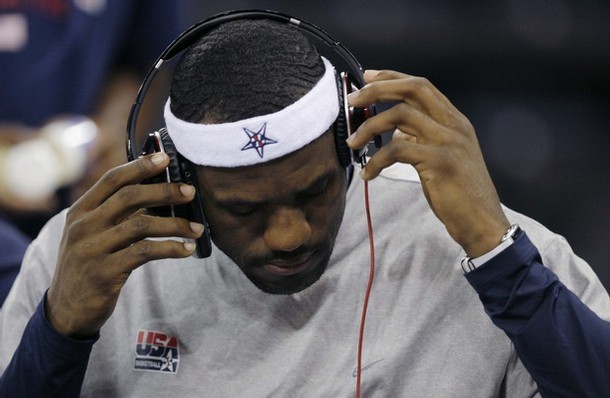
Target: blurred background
(533, 77)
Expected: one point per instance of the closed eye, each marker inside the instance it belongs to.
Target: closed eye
(241, 209)
(317, 189)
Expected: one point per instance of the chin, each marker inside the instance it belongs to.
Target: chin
(288, 285)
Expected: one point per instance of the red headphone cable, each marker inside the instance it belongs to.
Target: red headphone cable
(368, 288)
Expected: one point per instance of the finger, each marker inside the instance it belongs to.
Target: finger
(372, 75)
(399, 134)
(401, 116)
(144, 226)
(375, 75)
(131, 198)
(399, 150)
(120, 176)
(419, 92)
(147, 250)
(138, 213)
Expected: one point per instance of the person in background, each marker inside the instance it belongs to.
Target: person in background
(13, 244)
(69, 72)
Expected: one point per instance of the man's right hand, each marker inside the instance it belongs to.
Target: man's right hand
(104, 240)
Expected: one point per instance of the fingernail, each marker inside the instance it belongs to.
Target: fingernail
(196, 227)
(187, 190)
(350, 139)
(362, 174)
(189, 246)
(352, 96)
(158, 158)
(371, 72)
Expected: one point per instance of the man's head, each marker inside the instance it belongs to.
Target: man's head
(276, 219)
(242, 69)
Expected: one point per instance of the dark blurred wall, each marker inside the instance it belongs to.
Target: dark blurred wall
(532, 76)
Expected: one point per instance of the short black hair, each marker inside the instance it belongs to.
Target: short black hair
(244, 68)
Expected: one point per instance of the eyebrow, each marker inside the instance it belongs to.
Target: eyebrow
(236, 202)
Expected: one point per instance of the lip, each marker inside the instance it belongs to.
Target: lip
(293, 266)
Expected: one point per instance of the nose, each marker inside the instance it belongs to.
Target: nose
(287, 229)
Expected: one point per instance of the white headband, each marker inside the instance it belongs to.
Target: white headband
(261, 138)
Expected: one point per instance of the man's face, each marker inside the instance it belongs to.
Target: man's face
(278, 220)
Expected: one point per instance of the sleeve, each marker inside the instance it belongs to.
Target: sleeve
(563, 344)
(45, 364)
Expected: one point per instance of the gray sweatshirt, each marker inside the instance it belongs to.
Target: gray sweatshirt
(199, 328)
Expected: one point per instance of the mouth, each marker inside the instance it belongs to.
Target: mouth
(287, 267)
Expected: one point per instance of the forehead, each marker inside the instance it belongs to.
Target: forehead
(273, 179)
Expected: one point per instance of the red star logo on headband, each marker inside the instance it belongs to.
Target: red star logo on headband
(258, 140)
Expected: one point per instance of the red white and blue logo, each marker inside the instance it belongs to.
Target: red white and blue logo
(258, 140)
(156, 352)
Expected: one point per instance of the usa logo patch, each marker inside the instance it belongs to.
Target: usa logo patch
(156, 352)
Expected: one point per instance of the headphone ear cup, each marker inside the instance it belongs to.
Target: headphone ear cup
(174, 170)
(340, 129)
(160, 141)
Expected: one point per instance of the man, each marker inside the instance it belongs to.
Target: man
(275, 309)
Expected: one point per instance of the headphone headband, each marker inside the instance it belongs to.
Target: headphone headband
(198, 30)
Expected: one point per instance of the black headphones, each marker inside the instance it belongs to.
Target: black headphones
(181, 170)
